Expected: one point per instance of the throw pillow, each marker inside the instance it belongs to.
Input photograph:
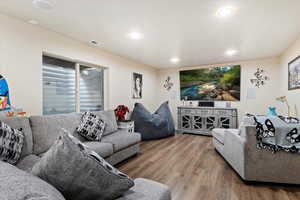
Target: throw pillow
(91, 126)
(80, 173)
(11, 143)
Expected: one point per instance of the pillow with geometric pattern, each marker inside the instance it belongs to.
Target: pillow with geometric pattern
(11, 143)
(79, 173)
(91, 126)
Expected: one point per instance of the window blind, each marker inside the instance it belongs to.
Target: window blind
(58, 86)
(91, 89)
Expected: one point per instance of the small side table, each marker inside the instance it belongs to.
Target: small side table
(126, 125)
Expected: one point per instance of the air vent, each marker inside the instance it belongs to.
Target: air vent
(42, 4)
(93, 42)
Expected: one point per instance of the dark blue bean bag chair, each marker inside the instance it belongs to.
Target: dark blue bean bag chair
(153, 126)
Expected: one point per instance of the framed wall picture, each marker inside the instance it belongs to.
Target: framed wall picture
(137, 86)
(211, 84)
(294, 74)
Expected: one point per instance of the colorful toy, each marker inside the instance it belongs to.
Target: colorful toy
(4, 95)
(272, 111)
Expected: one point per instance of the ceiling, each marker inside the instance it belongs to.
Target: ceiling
(189, 30)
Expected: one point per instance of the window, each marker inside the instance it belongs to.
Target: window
(91, 89)
(60, 86)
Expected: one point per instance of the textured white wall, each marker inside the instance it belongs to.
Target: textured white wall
(265, 96)
(22, 46)
(21, 49)
(293, 95)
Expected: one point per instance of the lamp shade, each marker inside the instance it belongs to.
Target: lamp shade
(281, 99)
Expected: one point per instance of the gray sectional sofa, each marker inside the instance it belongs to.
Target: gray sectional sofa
(41, 132)
(238, 148)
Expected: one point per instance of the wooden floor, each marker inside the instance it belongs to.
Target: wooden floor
(195, 171)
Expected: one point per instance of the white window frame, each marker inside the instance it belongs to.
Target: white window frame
(77, 66)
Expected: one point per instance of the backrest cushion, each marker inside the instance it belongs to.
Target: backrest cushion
(22, 123)
(110, 121)
(46, 129)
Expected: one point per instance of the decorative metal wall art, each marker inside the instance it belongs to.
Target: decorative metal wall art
(260, 78)
(168, 84)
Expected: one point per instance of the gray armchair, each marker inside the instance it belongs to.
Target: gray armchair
(238, 147)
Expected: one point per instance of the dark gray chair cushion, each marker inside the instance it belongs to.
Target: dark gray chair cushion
(153, 126)
(16, 184)
(79, 173)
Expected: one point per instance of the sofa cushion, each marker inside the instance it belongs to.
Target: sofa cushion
(122, 139)
(11, 143)
(91, 126)
(110, 120)
(46, 129)
(16, 184)
(22, 123)
(145, 189)
(80, 173)
(28, 162)
(103, 149)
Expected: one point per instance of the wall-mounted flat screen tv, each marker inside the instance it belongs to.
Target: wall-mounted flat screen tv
(211, 84)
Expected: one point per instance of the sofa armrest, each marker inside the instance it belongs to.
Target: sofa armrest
(233, 141)
(234, 151)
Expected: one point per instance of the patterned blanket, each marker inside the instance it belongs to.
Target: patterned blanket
(278, 133)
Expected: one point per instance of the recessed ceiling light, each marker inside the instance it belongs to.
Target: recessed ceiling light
(34, 22)
(94, 42)
(231, 52)
(174, 60)
(135, 35)
(42, 4)
(225, 11)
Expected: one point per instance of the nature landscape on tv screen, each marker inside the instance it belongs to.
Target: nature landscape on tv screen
(212, 84)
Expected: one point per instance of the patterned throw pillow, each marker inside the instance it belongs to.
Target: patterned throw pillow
(11, 143)
(91, 126)
(80, 173)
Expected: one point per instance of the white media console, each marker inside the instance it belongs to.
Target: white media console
(201, 120)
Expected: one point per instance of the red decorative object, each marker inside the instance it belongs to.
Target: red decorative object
(121, 112)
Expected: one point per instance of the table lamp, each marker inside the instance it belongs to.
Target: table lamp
(283, 99)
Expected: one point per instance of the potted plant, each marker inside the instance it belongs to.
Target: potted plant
(121, 112)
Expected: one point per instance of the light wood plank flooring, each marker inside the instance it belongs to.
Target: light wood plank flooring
(195, 171)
